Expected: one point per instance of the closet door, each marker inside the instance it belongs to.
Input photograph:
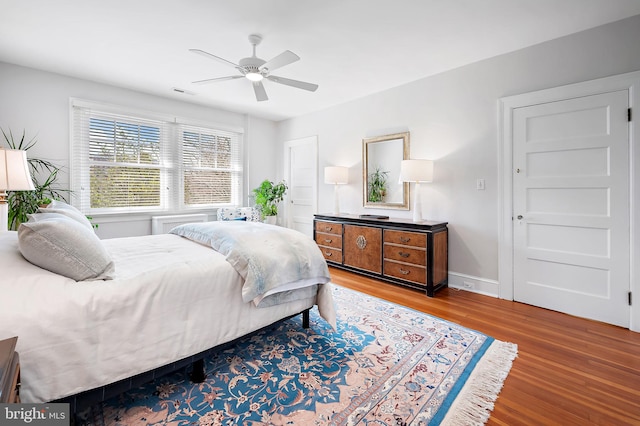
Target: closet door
(301, 174)
(571, 212)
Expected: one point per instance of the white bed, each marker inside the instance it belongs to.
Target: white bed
(171, 298)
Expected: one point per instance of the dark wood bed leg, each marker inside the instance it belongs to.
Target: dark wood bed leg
(197, 371)
(305, 318)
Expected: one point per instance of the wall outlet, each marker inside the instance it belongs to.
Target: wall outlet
(480, 184)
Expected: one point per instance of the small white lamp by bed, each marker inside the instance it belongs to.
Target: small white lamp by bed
(14, 176)
(336, 175)
(416, 171)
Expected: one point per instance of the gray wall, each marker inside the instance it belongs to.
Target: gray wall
(38, 102)
(452, 118)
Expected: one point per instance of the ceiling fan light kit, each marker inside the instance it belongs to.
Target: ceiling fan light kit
(256, 69)
(254, 76)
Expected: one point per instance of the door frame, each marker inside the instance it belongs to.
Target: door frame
(312, 142)
(506, 105)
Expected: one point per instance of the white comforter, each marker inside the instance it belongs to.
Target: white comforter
(271, 259)
(171, 298)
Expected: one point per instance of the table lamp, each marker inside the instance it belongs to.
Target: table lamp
(336, 175)
(14, 176)
(416, 171)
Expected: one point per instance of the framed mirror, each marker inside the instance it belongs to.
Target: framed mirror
(381, 158)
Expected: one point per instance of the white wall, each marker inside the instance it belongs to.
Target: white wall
(452, 118)
(262, 156)
(38, 102)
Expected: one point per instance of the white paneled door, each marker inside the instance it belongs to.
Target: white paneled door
(302, 171)
(571, 216)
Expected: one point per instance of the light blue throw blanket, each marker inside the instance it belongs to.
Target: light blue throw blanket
(273, 260)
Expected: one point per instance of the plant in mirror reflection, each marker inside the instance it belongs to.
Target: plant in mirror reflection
(377, 186)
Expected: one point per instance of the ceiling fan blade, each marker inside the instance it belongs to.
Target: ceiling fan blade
(261, 94)
(210, 56)
(285, 58)
(213, 80)
(293, 83)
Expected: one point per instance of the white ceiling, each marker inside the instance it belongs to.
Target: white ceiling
(351, 48)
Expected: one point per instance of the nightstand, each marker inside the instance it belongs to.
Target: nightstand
(9, 371)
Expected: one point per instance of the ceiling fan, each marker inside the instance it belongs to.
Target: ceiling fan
(255, 70)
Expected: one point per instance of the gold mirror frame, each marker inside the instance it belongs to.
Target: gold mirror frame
(385, 154)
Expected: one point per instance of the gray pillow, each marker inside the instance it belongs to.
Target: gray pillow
(68, 210)
(64, 246)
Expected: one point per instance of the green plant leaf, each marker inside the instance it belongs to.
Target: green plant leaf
(23, 203)
(268, 195)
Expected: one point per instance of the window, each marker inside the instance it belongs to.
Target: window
(208, 169)
(124, 164)
(130, 163)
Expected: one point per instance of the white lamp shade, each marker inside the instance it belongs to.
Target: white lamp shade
(14, 171)
(336, 175)
(416, 171)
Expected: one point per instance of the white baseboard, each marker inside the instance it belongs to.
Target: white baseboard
(474, 284)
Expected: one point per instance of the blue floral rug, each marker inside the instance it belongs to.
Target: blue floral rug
(385, 365)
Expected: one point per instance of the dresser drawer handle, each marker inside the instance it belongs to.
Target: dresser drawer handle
(402, 254)
(361, 242)
(328, 240)
(328, 228)
(404, 271)
(328, 253)
(405, 239)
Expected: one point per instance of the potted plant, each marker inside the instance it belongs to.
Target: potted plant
(377, 186)
(268, 195)
(23, 203)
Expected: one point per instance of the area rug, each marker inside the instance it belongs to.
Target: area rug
(384, 365)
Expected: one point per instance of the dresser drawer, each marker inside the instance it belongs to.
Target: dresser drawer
(414, 239)
(363, 247)
(331, 255)
(329, 240)
(329, 227)
(415, 274)
(405, 254)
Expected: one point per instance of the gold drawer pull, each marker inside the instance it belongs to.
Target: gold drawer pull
(328, 240)
(405, 239)
(328, 253)
(405, 255)
(404, 271)
(328, 228)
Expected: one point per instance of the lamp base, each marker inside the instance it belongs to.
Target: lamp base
(417, 204)
(4, 215)
(336, 200)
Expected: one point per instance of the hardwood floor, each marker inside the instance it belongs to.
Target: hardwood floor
(569, 370)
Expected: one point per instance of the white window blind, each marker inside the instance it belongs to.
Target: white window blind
(129, 163)
(211, 166)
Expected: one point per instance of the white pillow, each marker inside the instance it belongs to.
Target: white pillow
(53, 214)
(66, 247)
(68, 210)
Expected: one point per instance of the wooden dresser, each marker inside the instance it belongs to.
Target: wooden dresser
(413, 254)
(9, 371)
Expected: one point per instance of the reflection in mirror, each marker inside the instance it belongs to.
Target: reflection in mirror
(381, 159)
